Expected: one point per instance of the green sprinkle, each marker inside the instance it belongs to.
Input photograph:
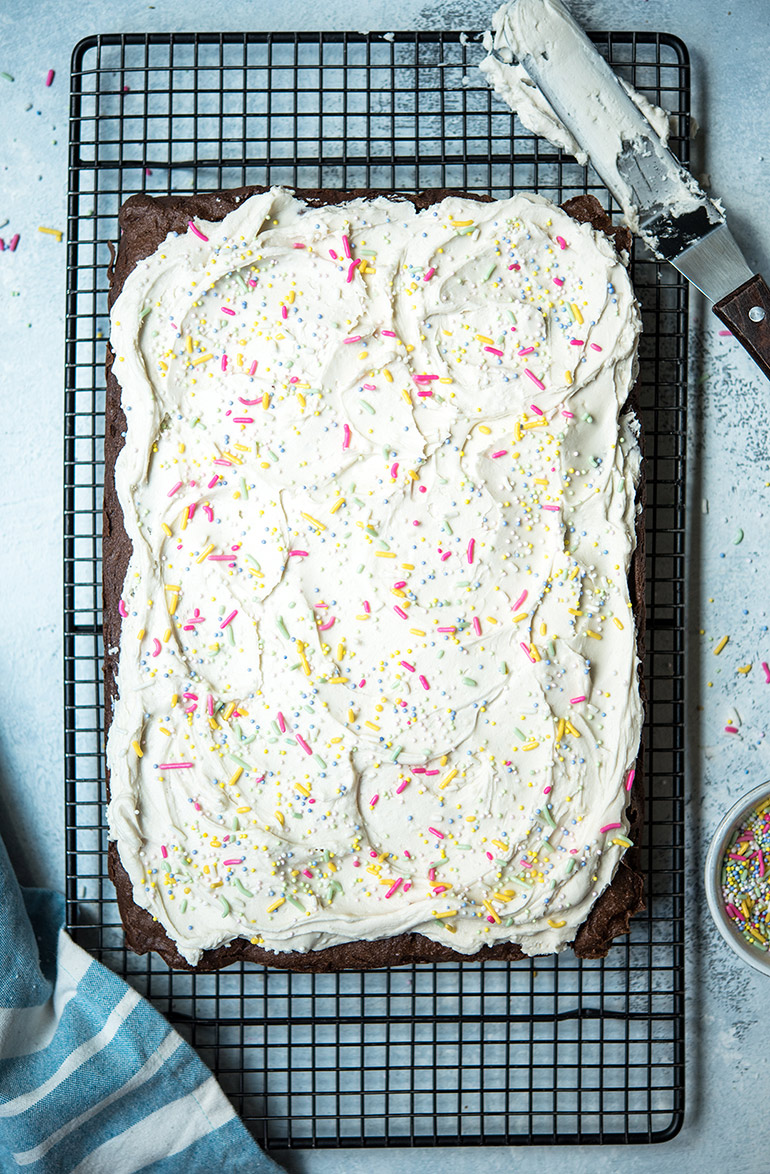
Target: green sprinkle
(365, 404)
(463, 847)
(240, 279)
(489, 271)
(241, 888)
(225, 905)
(469, 681)
(7, 76)
(395, 754)
(235, 825)
(335, 886)
(464, 583)
(239, 761)
(448, 528)
(521, 735)
(440, 654)
(548, 817)
(273, 456)
(144, 313)
(183, 906)
(274, 726)
(244, 490)
(251, 559)
(552, 649)
(167, 866)
(588, 418)
(523, 883)
(508, 922)
(504, 668)
(383, 544)
(231, 634)
(297, 904)
(358, 501)
(368, 252)
(738, 538)
(280, 625)
(320, 761)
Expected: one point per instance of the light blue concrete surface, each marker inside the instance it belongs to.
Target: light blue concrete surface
(728, 1079)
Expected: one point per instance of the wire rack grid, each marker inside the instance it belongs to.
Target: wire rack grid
(549, 1050)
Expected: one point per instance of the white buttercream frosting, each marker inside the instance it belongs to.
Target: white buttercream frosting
(378, 664)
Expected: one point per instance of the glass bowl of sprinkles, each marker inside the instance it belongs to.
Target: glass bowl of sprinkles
(738, 878)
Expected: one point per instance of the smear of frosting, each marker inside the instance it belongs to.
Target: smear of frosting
(378, 664)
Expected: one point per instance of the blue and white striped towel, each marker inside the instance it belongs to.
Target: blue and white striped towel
(93, 1080)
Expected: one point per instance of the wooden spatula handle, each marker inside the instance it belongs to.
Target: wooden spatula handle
(747, 312)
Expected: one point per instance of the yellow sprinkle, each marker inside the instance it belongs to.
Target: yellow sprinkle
(491, 911)
(406, 396)
(745, 668)
(185, 517)
(138, 750)
(521, 616)
(517, 431)
(204, 554)
(387, 374)
(371, 725)
(542, 423)
(449, 913)
(188, 344)
(576, 313)
(201, 359)
(166, 529)
(265, 400)
(721, 645)
(174, 699)
(166, 635)
(417, 631)
(351, 715)
(483, 428)
(617, 623)
(341, 650)
(491, 620)
(302, 789)
(503, 896)
(242, 810)
(52, 232)
(448, 779)
(276, 905)
(755, 933)
(384, 554)
(460, 223)
(172, 587)
(301, 399)
(530, 745)
(163, 366)
(593, 635)
(279, 817)
(560, 729)
(234, 459)
(313, 521)
(499, 844)
(140, 634)
(229, 711)
(568, 377)
(483, 338)
(303, 658)
(622, 841)
(362, 617)
(337, 505)
(290, 297)
(338, 681)
(543, 629)
(556, 924)
(534, 652)
(235, 776)
(413, 475)
(571, 729)
(408, 566)
(163, 730)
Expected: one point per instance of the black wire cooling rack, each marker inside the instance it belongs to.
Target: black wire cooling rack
(549, 1050)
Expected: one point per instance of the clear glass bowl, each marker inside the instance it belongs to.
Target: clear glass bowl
(720, 840)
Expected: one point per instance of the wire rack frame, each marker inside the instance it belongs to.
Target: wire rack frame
(550, 1050)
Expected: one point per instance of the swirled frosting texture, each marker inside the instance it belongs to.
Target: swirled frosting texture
(378, 665)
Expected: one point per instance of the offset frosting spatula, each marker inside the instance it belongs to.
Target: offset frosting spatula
(660, 198)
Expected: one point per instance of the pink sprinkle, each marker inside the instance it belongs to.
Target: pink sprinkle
(477, 625)
(766, 669)
(13, 243)
(609, 827)
(210, 705)
(761, 860)
(429, 274)
(367, 606)
(595, 346)
(514, 266)
(163, 851)
(122, 609)
(576, 342)
(394, 469)
(346, 247)
(372, 803)
(408, 666)
(558, 281)
(439, 889)
(351, 270)
(251, 283)
(393, 887)
(547, 790)
(388, 333)
(431, 772)
(500, 453)
(731, 729)
(576, 700)
(733, 912)
(208, 511)
(736, 856)
(726, 333)
(281, 722)
(424, 682)
(252, 369)
(346, 436)
(419, 770)
(49, 77)
(224, 362)
(553, 508)
(158, 647)
(408, 884)
(190, 696)
(399, 789)
(303, 744)
(249, 402)
(526, 863)
(177, 487)
(369, 386)
(520, 600)
(527, 350)
(353, 338)
(534, 378)
(561, 242)
(494, 351)
(227, 310)
(325, 627)
(425, 394)
(630, 779)
(527, 652)
(471, 546)
(284, 312)
(175, 765)
(243, 419)
(298, 554)
(435, 832)
(213, 480)
(538, 411)
(490, 856)
(569, 415)
(197, 807)
(222, 461)
(197, 231)
(228, 619)
(332, 254)
(447, 554)
(446, 629)
(431, 874)
(238, 860)
(400, 612)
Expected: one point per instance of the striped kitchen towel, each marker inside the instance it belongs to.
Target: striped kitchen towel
(93, 1080)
